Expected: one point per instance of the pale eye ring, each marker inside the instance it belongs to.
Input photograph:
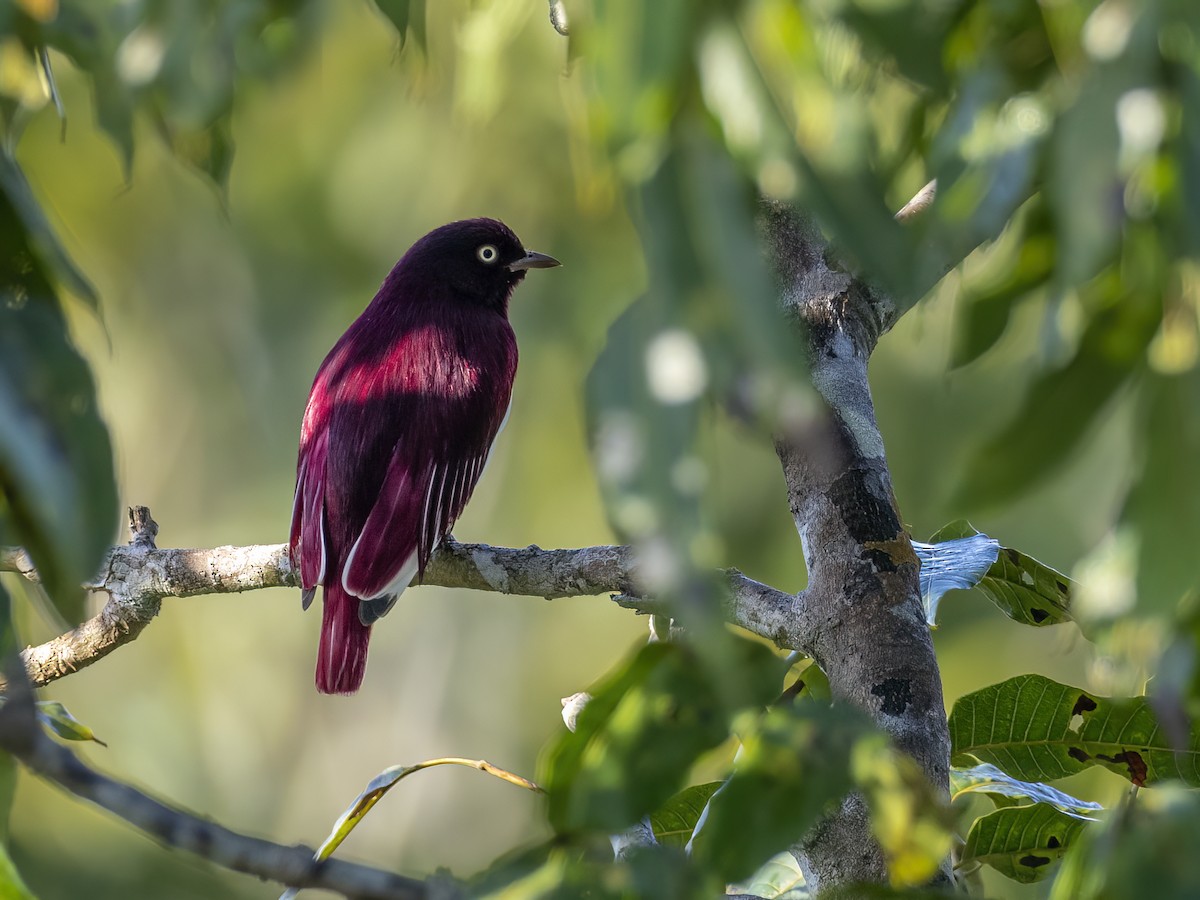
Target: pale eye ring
(487, 254)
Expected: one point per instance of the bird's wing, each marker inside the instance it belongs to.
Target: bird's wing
(421, 497)
(307, 543)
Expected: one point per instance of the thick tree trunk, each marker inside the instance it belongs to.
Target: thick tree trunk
(862, 614)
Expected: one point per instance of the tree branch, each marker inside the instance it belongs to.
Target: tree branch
(863, 612)
(137, 577)
(21, 736)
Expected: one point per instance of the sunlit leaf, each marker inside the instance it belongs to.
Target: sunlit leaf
(1034, 728)
(1147, 849)
(645, 725)
(56, 718)
(913, 824)
(675, 820)
(384, 782)
(11, 885)
(557, 871)
(953, 564)
(1022, 842)
(1025, 590)
(987, 779)
(792, 767)
(779, 878)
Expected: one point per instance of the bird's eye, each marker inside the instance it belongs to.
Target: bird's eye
(487, 254)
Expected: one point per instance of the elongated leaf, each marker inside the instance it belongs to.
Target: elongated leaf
(9, 646)
(56, 718)
(1147, 851)
(1164, 504)
(956, 564)
(1025, 590)
(913, 824)
(779, 878)
(987, 779)
(1062, 406)
(408, 17)
(40, 237)
(384, 782)
(1022, 842)
(1037, 729)
(11, 885)
(675, 820)
(645, 725)
(56, 469)
(791, 768)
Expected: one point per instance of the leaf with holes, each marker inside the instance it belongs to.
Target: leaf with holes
(675, 820)
(1037, 729)
(953, 564)
(1022, 842)
(987, 779)
(1025, 590)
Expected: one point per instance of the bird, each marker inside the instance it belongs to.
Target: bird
(398, 429)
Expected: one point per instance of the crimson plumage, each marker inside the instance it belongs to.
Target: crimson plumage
(399, 426)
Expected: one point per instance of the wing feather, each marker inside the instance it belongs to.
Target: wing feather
(307, 545)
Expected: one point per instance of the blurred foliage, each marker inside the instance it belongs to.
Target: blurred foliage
(317, 139)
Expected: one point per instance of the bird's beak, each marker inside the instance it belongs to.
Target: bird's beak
(533, 260)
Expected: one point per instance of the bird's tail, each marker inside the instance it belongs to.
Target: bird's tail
(342, 654)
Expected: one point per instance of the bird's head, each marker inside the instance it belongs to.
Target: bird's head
(480, 259)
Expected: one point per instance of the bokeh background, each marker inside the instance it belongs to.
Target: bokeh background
(218, 305)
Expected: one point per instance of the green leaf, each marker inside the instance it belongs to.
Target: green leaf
(1164, 504)
(408, 17)
(987, 779)
(560, 871)
(9, 646)
(1022, 842)
(11, 885)
(1025, 590)
(1021, 262)
(56, 468)
(58, 720)
(39, 236)
(1037, 729)
(1147, 849)
(904, 31)
(779, 878)
(953, 564)
(675, 820)
(912, 822)
(90, 38)
(644, 727)
(792, 767)
(1061, 406)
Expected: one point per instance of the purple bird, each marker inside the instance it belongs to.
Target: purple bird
(399, 426)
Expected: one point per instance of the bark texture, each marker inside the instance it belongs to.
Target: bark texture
(138, 576)
(862, 614)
